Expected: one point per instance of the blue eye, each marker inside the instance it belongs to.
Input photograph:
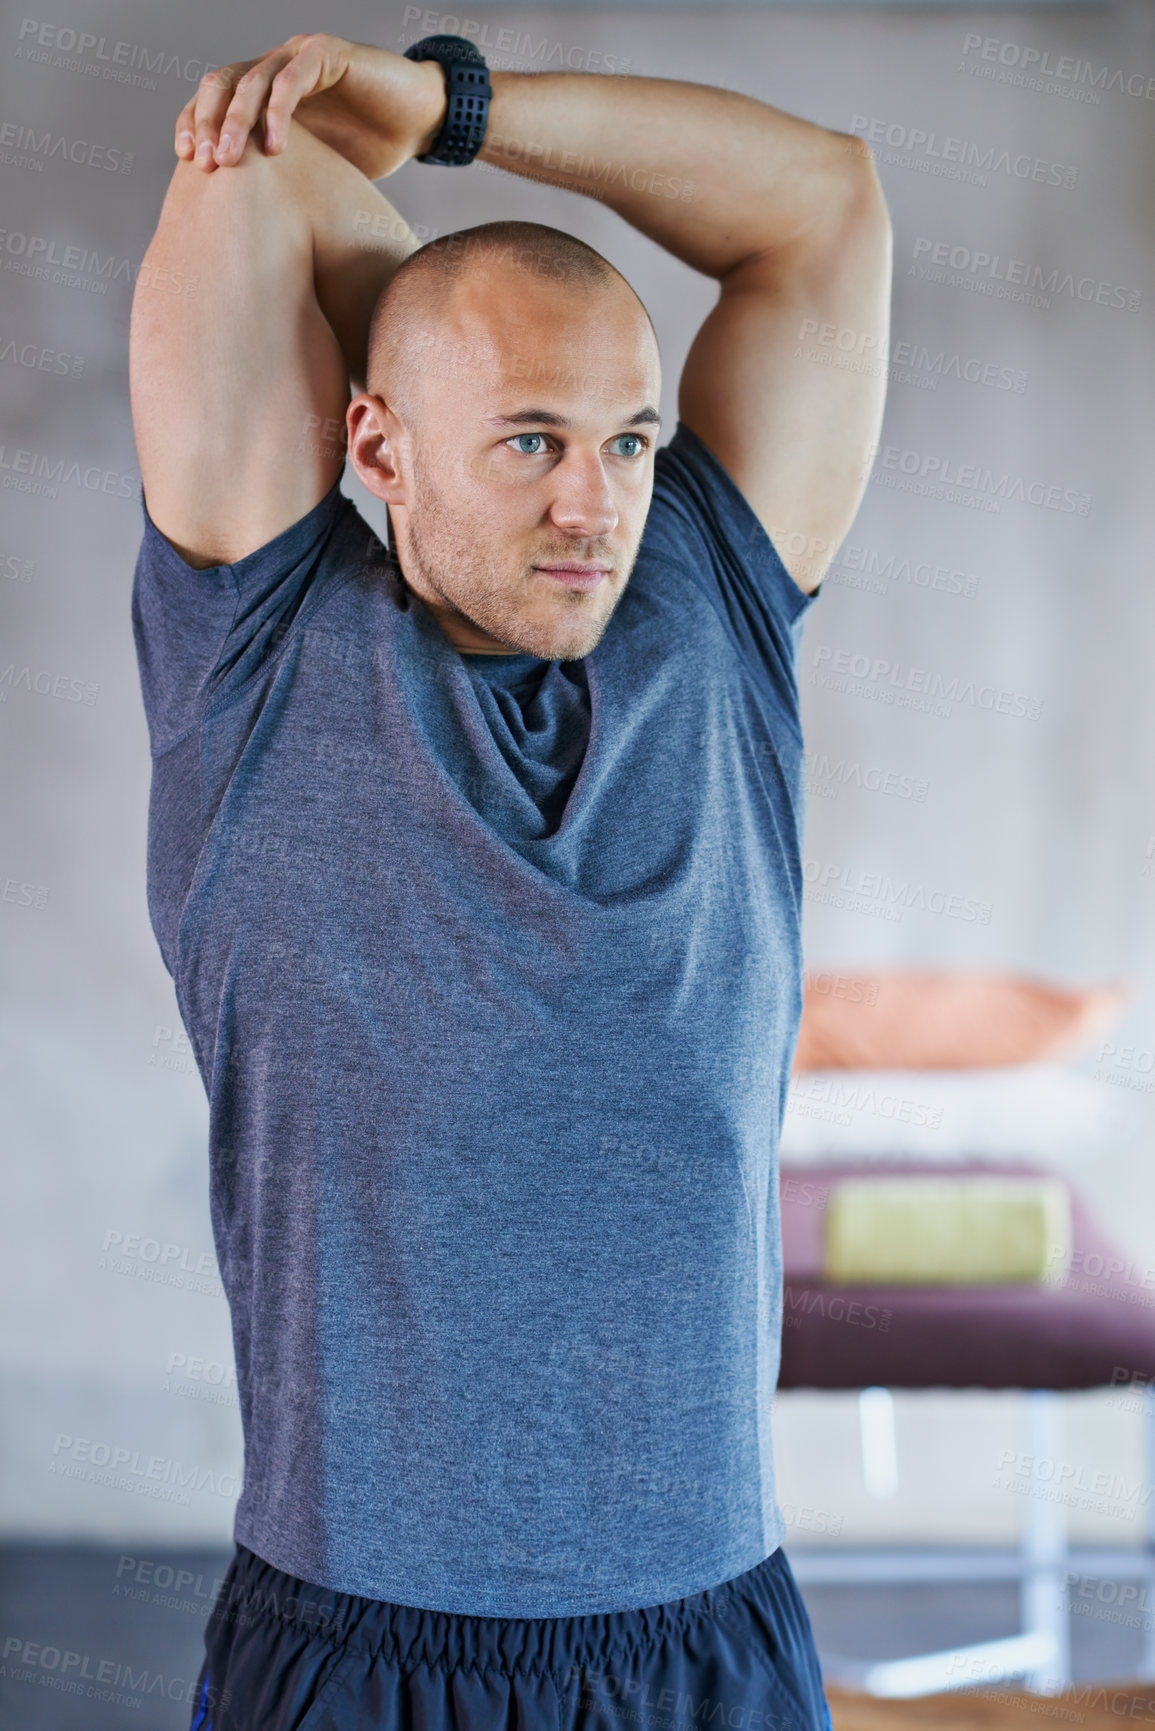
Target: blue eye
(639, 443)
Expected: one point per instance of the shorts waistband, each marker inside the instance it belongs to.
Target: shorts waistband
(410, 1636)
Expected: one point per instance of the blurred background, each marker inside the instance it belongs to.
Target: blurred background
(1016, 145)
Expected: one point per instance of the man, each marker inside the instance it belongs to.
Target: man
(476, 863)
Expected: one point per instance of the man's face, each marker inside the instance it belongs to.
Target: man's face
(522, 491)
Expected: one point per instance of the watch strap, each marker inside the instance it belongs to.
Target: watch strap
(468, 90)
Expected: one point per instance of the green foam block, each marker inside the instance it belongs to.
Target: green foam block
(964, 1231)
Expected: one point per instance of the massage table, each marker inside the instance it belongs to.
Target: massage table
(1095, 1330)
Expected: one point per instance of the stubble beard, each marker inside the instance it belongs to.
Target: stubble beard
(437, 545)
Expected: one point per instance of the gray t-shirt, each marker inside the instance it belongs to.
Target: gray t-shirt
(539, 715)
(496, 1050)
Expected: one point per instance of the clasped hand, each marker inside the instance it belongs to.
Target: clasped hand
(374, 107)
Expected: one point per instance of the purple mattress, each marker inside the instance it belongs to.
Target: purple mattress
(1096, 1330)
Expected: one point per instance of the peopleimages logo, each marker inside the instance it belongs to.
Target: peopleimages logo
(1074, 1479)
(61, 46)
(827, 776)
(875, 569)
(46, 684)
(813, 1301)
(915, 147)
(845, 345)
(98, 1679)
(1034, 65)
(44, 473)
(24, 147)
(938, 476)
(35, 255)
(860, 1097)
(865, 676)
(880, 896)
(128, 1469)
(1016, 277)
(546, 55)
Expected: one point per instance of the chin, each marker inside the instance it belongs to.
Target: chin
(572, 635)
(551, 640)
(568, 646)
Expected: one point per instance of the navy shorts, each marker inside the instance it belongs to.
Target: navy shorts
(281, 1655)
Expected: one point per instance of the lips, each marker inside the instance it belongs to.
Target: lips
(575, 576)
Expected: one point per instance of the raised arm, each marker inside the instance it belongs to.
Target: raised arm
(240, 377)
(791, 221)
(788, 217)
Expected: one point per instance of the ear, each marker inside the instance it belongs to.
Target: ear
(374, 445)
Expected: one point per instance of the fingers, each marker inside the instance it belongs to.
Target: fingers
(213, 127)
(306, 72)
(248, 100)
(212, 98)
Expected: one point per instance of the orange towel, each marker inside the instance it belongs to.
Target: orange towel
(946, 1019)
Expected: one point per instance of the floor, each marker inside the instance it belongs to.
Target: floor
(99, 1640)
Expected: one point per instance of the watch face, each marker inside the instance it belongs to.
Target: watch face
(445, 49)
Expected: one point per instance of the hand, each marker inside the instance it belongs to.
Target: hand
(374, 107)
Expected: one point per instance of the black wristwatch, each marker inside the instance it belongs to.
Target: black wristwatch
(468, 88)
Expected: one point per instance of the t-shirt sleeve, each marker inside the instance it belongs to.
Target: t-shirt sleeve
(200, 634)
(701, 523)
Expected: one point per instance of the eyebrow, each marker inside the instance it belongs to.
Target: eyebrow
(546, 418)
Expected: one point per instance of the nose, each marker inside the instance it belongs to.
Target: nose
(583, 503)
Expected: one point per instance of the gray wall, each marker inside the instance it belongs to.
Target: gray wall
(1046, 818)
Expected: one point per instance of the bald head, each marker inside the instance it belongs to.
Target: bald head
(510, 425)
(452, 304)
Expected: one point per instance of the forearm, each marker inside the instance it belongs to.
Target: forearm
(711, 175)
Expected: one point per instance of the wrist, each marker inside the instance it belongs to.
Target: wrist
(434, 104)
